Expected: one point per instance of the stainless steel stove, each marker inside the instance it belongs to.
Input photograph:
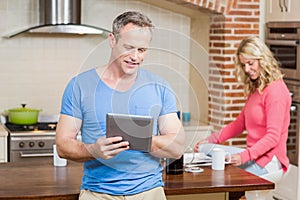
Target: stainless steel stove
(30, 142)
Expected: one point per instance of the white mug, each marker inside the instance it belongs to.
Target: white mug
(218, 158)
(58, 161)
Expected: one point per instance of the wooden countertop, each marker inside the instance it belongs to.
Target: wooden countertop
(41, 180)
(232, 179)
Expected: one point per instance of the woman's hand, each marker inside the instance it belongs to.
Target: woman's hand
(236, 159)
(196, 148)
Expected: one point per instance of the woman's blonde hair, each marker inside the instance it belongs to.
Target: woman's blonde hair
(254, 48)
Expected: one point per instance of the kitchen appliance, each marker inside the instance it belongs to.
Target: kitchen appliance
(283, 39)
(293, 137)
(60, 16)
(30, 142)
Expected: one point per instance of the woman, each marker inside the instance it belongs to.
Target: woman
(265, 116)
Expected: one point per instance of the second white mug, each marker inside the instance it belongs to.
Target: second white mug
(58, 161)
(219, 158)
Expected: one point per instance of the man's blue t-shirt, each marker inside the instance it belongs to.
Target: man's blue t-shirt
(88, 98)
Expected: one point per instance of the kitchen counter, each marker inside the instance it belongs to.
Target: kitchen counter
(3, 131)
(41, 180)
(197, 125)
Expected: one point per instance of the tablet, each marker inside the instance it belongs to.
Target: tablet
(135, 129)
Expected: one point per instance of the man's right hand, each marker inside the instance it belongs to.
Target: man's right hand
(107, 148)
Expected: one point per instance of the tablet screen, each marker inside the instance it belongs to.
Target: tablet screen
(135, 129)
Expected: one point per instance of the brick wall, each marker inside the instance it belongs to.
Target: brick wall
(241, 18)
(230, 21)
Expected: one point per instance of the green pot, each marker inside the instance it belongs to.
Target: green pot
(23, 116)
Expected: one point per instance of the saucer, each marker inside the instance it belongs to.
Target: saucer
(193, 169)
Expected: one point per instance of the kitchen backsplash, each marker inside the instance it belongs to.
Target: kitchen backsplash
(36, 68)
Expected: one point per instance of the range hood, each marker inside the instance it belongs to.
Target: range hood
(60, 17)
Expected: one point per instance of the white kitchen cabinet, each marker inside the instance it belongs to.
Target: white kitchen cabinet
(288, 187)
(3, 148)
(3, 144)
(282, 10)
(194, 133)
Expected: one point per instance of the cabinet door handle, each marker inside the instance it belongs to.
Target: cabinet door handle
(281, 8)
(30, 155)
(284, 4)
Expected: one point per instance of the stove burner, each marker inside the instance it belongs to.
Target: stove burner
(48, 126)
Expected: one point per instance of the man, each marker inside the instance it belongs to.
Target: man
(111, 169)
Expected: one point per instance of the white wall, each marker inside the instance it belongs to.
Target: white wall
(36, 68)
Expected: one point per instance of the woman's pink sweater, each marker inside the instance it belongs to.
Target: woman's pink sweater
(266, 118)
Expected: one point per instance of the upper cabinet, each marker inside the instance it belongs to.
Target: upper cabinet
(282, 10)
